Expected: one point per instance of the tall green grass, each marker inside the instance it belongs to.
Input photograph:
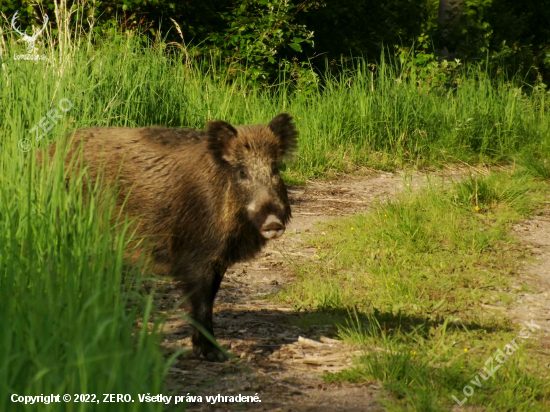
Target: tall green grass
(380, 120)
(69, 316)
(69, 312)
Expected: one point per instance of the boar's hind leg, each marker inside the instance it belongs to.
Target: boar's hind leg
(203, 286)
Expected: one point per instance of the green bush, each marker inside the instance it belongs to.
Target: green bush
(254, 38)
(262, 38)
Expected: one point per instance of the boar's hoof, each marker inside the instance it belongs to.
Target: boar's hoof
(209, 351)
(216, 356)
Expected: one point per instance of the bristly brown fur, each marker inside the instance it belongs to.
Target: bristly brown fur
(203, 195)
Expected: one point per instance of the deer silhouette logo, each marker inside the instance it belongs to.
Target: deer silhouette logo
(30, 40)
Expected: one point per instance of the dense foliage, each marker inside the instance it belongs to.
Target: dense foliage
(262, 38)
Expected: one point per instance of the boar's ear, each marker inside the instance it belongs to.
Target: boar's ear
(221, 140)
(285, 130)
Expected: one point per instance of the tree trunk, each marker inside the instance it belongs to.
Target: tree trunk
(446, 17)
(445, 6)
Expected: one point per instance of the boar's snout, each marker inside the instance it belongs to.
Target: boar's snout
(272, 227)
(271, 217)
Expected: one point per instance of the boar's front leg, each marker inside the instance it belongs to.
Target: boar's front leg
(201, 286)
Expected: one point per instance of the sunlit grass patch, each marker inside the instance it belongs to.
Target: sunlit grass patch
(537, 166)
(292, 178)
(437, 251)
(423, 364)
(413, 275)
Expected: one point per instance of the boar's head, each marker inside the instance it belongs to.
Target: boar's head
(250, 156)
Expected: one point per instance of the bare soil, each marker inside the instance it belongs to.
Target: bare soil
(282, 364)
(533, 280)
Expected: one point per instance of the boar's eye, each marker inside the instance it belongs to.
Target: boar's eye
(243, 173)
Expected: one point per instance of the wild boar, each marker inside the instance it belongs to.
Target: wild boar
(208, 198)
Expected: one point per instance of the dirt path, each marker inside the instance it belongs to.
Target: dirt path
(279, 362)
(534, 303)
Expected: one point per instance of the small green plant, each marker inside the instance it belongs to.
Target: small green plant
(424, 67)
(257, 33)
(535, 165)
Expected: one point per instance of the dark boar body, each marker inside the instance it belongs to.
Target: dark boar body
(208, 198)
